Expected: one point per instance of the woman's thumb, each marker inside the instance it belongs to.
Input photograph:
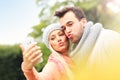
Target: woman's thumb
(22, 48)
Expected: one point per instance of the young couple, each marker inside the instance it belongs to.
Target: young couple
(91, 45)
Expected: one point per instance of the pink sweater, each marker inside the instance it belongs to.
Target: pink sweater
(53, 70)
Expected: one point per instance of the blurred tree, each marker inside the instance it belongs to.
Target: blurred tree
(95, 10)
(10, 63)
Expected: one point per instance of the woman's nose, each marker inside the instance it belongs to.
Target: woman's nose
(58, 39)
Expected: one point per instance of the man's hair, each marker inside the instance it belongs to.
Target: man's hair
(77, 11)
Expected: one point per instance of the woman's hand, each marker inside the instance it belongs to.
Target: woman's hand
(31, 56)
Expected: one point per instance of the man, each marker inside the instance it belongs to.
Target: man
(93, 46)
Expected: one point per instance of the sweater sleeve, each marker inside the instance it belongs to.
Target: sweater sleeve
(29, 74)
(49, 72)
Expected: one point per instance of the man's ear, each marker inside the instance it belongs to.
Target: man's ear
(84, 21)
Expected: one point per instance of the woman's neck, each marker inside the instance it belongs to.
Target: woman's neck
(65, 53)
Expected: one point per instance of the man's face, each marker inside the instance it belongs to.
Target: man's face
(72, 27)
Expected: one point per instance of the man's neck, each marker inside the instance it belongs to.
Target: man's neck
(73, 45)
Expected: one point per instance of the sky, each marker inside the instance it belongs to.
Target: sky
(17, 17)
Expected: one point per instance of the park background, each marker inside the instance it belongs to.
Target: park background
(106, 12)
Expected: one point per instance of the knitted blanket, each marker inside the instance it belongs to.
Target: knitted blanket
(84, 48)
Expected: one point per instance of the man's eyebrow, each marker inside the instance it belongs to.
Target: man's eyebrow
(68, 22)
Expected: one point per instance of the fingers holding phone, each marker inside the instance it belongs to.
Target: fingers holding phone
(31, 53)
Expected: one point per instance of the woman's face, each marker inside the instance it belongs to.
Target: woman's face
(59, 41)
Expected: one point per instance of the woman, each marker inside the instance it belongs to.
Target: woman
(59, 65)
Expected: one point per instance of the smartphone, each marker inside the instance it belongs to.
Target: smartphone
(27, 42)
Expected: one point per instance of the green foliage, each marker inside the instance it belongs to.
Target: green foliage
(11, 59)
(46, 53)
(10, 63)
(38, 29)
(87, 4)
(95, 10)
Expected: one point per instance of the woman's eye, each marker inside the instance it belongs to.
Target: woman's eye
(52, 38)
(61, 34)
(63, 28)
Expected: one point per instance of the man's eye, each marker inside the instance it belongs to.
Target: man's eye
(69, 24)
